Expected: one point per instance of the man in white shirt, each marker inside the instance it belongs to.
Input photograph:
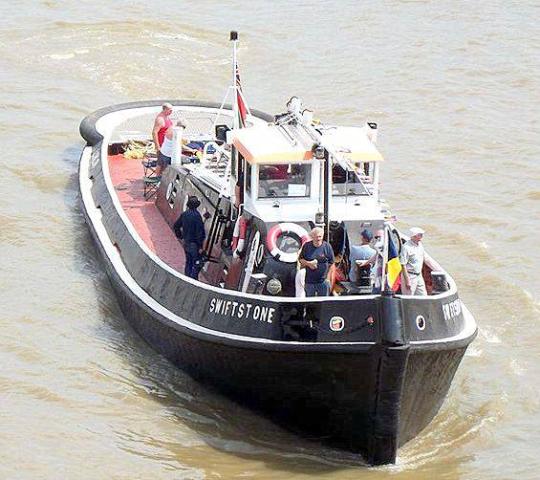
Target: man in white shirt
(412, 259)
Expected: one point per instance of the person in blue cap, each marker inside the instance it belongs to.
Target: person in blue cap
(190, 228)
(360, 253)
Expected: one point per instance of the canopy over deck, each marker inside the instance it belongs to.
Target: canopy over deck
(352, 143)
(273, 144)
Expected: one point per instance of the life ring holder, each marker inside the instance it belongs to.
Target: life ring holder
(279, 229)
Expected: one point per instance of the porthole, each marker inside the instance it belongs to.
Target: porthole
(420, 322)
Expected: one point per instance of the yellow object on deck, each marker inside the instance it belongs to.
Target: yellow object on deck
(137, 150)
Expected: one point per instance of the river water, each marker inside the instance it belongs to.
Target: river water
(454, 86)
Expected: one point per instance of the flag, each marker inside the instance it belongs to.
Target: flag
(393, 267)
(242, 108)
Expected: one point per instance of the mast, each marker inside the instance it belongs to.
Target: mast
(240, 113)
(327, 193)
(214, 227)
(236, 124)
(234, 39)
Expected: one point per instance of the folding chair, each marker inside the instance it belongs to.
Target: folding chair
(150, 178)
(149, 165)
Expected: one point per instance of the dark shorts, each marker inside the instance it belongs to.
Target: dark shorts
(163, 160)
(317, 289)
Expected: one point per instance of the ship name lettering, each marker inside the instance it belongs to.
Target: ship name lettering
(452, 309)
(242, 311)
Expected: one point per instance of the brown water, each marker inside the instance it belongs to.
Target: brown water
(454, 86)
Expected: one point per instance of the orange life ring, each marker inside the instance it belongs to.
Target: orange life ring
(276, 231)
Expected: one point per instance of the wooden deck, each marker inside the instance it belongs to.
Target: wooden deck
(127, 178)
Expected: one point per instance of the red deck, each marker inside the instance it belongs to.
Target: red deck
(127, 175)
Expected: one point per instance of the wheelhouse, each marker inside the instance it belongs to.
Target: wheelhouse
(284, 169)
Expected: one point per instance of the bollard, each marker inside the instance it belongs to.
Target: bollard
(392, 332)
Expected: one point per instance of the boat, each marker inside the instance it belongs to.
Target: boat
(365, 368)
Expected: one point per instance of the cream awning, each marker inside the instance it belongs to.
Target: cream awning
(352, 143)
(270, 144)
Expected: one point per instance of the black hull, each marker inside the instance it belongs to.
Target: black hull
(368, 389)
(331, 397)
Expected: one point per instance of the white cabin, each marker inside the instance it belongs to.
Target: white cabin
(284, 175)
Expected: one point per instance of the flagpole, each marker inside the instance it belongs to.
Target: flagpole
(236, 124)
(234, 39)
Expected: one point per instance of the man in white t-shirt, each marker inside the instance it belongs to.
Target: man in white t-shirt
(167, 147)
(412, 260)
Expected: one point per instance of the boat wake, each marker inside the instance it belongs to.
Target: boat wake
(449, 435)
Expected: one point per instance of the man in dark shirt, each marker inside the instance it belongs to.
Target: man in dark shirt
(316, 257)
(190, 228)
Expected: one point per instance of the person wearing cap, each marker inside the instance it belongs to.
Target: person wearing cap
(376, 261)
(360, 253)
(190, 228)
(161, 125)
(412, 258)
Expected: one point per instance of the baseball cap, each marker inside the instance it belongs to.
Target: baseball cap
(416, 231)
(193, 202)
(167, 105)
(367, 235)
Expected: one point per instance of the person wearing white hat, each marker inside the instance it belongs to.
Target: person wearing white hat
(412, 260)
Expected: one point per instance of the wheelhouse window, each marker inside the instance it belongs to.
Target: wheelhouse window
(248, 177)
(284, 180)
(347, 182)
